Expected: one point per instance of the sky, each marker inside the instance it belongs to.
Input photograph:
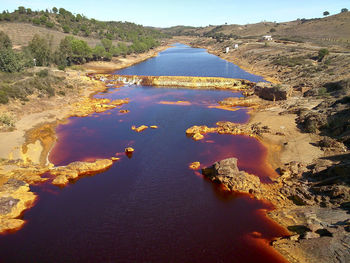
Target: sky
(164, 13)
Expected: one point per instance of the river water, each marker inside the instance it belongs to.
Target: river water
(152, 207)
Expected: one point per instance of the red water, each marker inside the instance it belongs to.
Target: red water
(151, 207)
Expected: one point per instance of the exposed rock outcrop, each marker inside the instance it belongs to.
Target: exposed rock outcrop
(194, 165)
(251, 101)
(74, 170)
(226, 172)
(140, 128)
(272, 92)
(226, 127)
(180, 81)
(93, 105)
(15, 197)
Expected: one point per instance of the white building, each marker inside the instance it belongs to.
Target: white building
(267, 37)
(227, 49)
(236, 46)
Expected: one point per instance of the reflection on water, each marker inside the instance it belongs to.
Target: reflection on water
(182, 60)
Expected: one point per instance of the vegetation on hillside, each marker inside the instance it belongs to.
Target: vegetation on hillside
(64, 21)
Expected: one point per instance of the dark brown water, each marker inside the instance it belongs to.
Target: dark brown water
(151, 207)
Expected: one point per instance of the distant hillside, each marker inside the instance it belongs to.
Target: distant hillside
(21, 33)
(64, 21)
(333, 29)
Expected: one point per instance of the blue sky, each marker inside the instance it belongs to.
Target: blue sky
(163, 13)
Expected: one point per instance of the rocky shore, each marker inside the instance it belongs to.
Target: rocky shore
(25, 148)
(305, 119)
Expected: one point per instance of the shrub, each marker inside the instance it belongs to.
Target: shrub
(10, 61)
(6, 120)
(50, 24)
(66, 29)
(43, 73)
(3, 97)
(322, 53)
(5, 41)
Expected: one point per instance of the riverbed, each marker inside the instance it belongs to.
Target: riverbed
(150, 207)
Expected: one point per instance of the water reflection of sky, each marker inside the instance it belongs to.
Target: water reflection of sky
(182, 60)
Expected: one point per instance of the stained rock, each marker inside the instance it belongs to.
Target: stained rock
(74, 170)
(129, 150)
(227, 173)
(15, 197)
(153, 127)
(140, 128)
(194, 165)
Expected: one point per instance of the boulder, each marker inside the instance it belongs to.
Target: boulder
(271, 92)
(226, 172)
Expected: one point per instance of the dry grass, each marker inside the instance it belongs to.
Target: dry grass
(21, 33)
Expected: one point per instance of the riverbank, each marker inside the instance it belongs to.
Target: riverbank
(312, 193)
(119, 63)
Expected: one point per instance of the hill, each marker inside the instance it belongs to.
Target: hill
(22, 33)
(333, 29)
(64, 21)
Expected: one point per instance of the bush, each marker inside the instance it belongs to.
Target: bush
(3, 97)
(66, 29)
(43, 73)
(322, 53)
(10, 61)
(50, 24)
(6, 120)
(5, 41)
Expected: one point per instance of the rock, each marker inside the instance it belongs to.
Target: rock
(115, 158)
(309, 235)
(124, 111)
(15, 197)
(243, 102)
(153, 127)
(194, 165)
(227, 173)
(119, 102)
(74, 170)
(6, 204)
(139, 129)
(197, 136)
(226, 127)
(129, 150)
(268, 91)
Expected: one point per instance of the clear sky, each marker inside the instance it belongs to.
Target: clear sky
(164, 13)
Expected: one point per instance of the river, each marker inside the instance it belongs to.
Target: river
(152, 207)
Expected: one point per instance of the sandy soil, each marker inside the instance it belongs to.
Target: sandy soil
(119, 63)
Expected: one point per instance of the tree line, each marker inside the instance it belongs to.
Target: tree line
(70, 51)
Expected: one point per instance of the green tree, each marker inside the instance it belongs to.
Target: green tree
(21, 10)
(5, 41)
(66, 29)
(326, 13)
(99, 52)
(344, 10)
(40, 48)
(107, 44)
(55, 10)
(10, 61)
